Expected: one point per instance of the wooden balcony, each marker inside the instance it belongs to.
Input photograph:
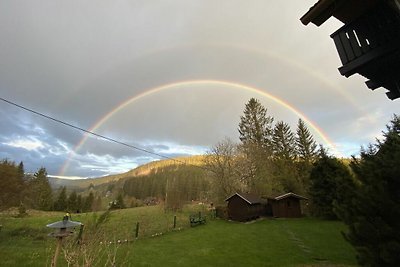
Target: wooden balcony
(370, 46)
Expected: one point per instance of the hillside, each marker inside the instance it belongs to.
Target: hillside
(83, 184)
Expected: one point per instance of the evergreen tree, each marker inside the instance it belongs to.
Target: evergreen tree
(61, 203)
(306, 145)
(255, 126)
(79, 204)
(372, 212)
(88, 202)
(11, 184)
(283, 142)
(307, 153)
(328, 177)
(255, 133)
(73, 202)
(42, 189)
(284, 148)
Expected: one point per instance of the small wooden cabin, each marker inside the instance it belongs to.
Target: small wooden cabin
(369, 41)
(286, 205)
(245, 207)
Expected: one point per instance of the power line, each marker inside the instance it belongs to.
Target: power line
(95, 134)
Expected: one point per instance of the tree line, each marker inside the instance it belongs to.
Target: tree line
(18, 189)
(269, 159)
(364, 194)
(174, 184)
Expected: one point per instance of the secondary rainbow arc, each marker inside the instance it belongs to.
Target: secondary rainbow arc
(179, 84)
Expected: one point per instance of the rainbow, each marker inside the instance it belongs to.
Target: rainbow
(182, 84)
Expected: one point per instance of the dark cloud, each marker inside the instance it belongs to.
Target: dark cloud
(77, 61)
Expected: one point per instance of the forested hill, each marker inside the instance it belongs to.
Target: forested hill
(82, 184)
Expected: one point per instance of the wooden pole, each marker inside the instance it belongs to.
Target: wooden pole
(174, 221)
(59, 243)
(137, 230)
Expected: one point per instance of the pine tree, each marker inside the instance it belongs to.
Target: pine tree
(88, 202)
(61, 203)
(255, 126)
(42, 189)
(372, 212)
(73, 202)
(11, 184)
(255, 133)
(306, 145)
(283, 142)
(307, 153)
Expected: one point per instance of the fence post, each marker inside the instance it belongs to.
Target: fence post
(174, 221)
(137, 230)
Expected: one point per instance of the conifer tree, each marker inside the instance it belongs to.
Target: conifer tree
(255, 126)
(11, 184)
(328, 178)
(372, 212)
(307, 153)
(73, 202)
(255, 133)
(61, 203)
(42, 189)
(283, 142)
(306, 145)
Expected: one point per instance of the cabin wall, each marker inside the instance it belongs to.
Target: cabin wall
(286, 208)
(240, 210)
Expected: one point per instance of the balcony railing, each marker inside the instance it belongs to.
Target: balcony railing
(369, 37)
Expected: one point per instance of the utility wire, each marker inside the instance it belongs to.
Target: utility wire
(96, 134)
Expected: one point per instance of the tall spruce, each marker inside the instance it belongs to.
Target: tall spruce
(284, 148)
(255, 133)
(11, 184)
(73, 202)
(61, 202)
(42, 189)
(372, 212)
(283, 142)
(307, 153)
(255, 126)
(306, 145)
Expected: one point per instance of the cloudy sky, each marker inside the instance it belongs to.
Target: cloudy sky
(168, 76)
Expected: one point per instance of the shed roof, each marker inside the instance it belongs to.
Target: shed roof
(249, 198)
(290, 194)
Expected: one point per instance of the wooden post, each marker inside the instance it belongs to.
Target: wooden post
(137, 230)
(174, 221)
(79, 238)
(54, 261)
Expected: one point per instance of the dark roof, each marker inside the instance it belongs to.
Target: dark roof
(290, 194)
(343, 10)
(249, 198)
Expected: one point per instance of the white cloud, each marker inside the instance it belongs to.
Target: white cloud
(29, 144)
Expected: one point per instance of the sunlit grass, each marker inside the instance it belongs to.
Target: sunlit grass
(268, 242)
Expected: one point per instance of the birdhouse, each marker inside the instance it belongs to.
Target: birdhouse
(63, 227)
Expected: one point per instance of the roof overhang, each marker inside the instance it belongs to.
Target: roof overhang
(242, 196)
(290, 195)
(344, 10)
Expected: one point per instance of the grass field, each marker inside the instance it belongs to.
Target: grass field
(267, 242)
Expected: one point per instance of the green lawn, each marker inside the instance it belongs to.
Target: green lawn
(268, 242)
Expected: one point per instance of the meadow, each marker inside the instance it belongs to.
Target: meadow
(265, 242)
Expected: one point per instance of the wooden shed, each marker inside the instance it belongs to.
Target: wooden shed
(286, 205)
(245, 207)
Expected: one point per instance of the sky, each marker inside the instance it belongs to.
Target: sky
(171, 77)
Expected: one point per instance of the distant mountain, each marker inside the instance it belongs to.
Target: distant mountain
(83, 184)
